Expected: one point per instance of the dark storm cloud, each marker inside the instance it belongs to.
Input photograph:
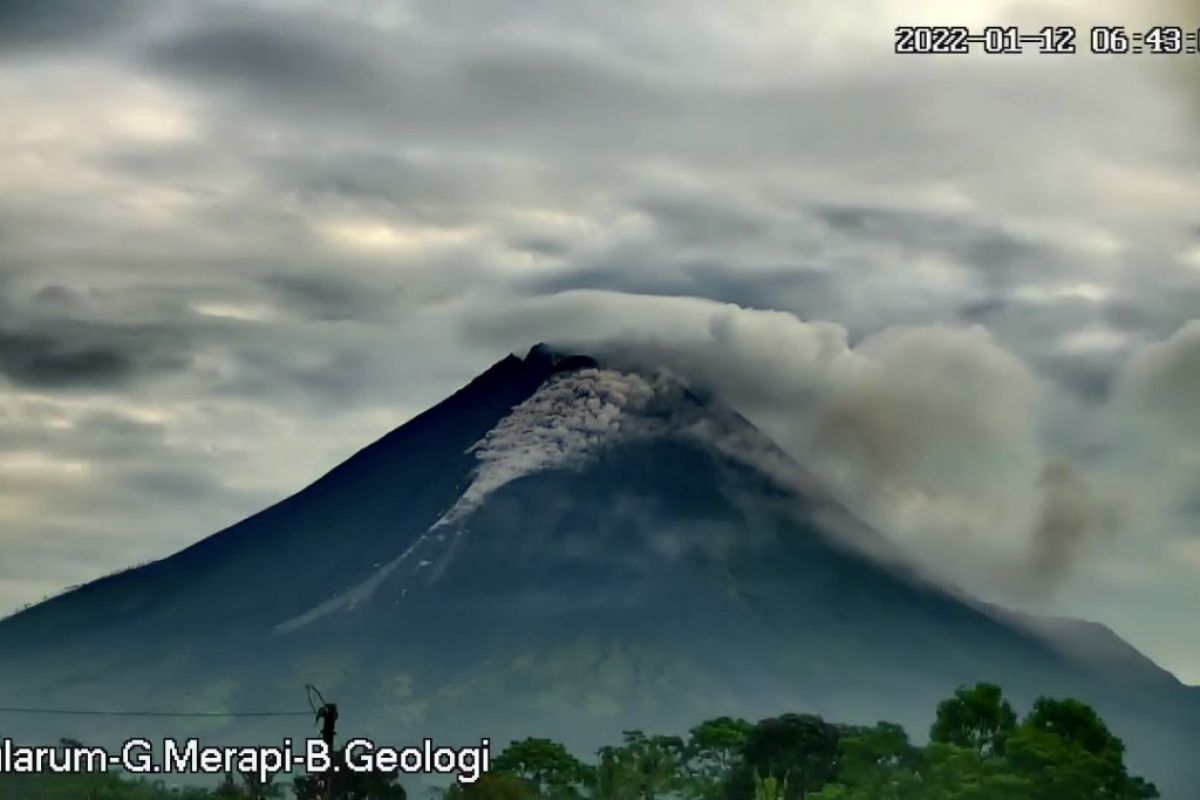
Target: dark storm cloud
(35, 24)
(285, 57)
(332, 378)
(1127, 315)
(1190, 506)
(982, 311)
(533, 95)
(304, 64)
(999, 257)
(76, 356)
(690, 221)
(53, 338)
(541, 246)
(329, 297)
(440, 192)
(174, 484)
(1070, 512)
(1047, 326)
(1089, 378)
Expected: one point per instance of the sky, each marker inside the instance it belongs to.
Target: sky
(241, 240)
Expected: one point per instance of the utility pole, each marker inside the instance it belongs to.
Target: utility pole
(327, 716)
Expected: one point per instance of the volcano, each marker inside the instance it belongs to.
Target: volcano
(562, 548)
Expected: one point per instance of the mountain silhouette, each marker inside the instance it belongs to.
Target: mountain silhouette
(570, 549)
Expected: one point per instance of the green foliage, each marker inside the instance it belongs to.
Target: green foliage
(715, 744)
(109, 786)
(641, 768)
(1062, 750)
(493, 786)
(714, 747)
(879, 763)
(549, 768)
(349, 784)
(802, 749)
(769, 788)
(1068, 751)
(978, 718)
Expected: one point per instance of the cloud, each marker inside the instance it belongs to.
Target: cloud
(27, 26)
(1163, 380)
(321, 296)
(280, 56)
(932, 432)
(51, 343)
(1071, 512)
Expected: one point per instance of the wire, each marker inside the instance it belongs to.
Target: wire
(312, 690)
(96, 713)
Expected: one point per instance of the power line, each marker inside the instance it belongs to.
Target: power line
(114, 713)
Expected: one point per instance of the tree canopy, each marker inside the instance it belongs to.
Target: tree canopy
(978, 749)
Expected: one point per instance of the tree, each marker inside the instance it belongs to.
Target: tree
(492, 786)
(640, 768)
(769, 788)
(978, 718)
(880, 763)
(801, 748)
(949, 772)
(546, 765)
(717, 743)
(1068, 753)
(712, 749)
(349, 784)
(1075, 723)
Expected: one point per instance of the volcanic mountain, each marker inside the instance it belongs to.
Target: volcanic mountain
(561, 548)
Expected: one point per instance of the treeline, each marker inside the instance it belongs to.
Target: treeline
(978, 749)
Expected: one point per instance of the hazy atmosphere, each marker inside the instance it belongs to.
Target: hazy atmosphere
(241, 240)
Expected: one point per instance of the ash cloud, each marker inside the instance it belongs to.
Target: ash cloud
(1163, 381)
(931, 432)
(1071, 513)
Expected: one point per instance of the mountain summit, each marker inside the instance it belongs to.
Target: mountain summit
(561, 548)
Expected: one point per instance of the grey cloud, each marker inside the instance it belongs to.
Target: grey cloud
(321, 296)
(84, 356)
(982, 311)
(332, 378)
(285, 56)
(796, 288)
(999, 257)
(64, 337)
(1071, 514)
(173, 485)
(400, 83)
(1043, 329)
(541, 245)
(521, 94)
(1164, 380)
(26, 25)
(1190, 506)
(691, 222)
(372, 176)
(1090, 378)
(1126, 315)
(932, 432)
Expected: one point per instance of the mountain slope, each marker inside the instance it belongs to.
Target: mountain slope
(558, 549)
